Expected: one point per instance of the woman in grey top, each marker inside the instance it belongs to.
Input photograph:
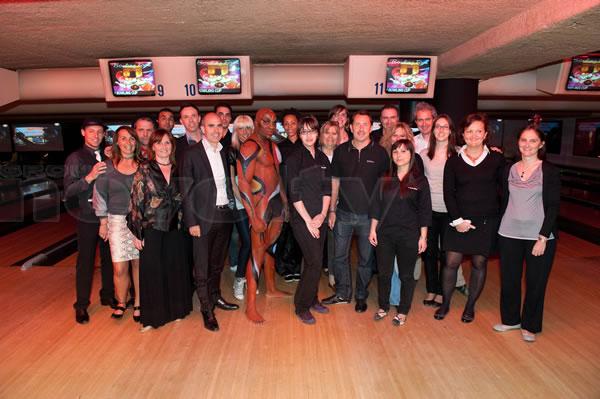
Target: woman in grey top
(112, 194)
(527, 233)
(442, 145)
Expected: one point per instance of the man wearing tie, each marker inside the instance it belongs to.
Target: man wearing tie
(82, 168)
(207, 213)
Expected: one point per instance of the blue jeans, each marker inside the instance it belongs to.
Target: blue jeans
(346, 225)
(396, 285)
(242, 225)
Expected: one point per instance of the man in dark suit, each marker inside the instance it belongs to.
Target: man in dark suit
(189, 117)
(207, 213)
(82, 168)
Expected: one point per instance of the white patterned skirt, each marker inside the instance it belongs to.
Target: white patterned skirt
(120, 239)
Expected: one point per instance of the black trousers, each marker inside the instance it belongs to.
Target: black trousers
(435, 257)
(210, 250)
(405, 252)
(312, 248)
(87, 239)
(288, 254)
(512, 254)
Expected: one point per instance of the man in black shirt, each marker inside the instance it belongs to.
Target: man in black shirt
(166, 119)
(356, 167)
(288, 256)
(82, 168)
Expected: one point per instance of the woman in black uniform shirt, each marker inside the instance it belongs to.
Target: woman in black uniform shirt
(400, 214)
(471, 194)
(309, 179)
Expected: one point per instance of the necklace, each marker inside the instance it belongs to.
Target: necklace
(525, 169)
(163, 164)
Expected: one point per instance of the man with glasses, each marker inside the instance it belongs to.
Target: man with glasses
(265, 203)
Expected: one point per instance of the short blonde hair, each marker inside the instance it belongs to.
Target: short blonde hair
(240, 121)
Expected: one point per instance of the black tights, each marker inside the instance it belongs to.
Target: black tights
(476, 282)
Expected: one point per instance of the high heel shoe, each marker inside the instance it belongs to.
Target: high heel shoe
(136, 318)
(118, 312)
(441, 313)
(468, 315)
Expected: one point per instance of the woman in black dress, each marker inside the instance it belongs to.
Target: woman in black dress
(471, 194)
(155, 220)
(400, 213)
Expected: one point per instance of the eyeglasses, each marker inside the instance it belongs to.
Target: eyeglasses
(442, 127)
(306, 131)
(245, 127)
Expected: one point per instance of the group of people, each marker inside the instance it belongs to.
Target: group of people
(167, 208)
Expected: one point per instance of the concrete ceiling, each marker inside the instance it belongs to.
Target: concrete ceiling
(474, 38)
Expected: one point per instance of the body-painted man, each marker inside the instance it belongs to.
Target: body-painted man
(265, 203)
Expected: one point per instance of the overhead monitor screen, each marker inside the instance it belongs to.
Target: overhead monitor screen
(585, 73)
(219, 75)
(5, 140)
(132, 78)
(407, 75)
(38, 137)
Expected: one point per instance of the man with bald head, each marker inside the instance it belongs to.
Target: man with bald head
(265, 203)
(207, 213)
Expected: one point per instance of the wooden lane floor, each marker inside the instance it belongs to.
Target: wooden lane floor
(33, 238)
(45, 354)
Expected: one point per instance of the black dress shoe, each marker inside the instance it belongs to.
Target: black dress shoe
(468, 316)
(361, 306)
(210, 321)
(441, 313)
(223, 304)
(81, 316)
(429, 302)
(334, 300)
